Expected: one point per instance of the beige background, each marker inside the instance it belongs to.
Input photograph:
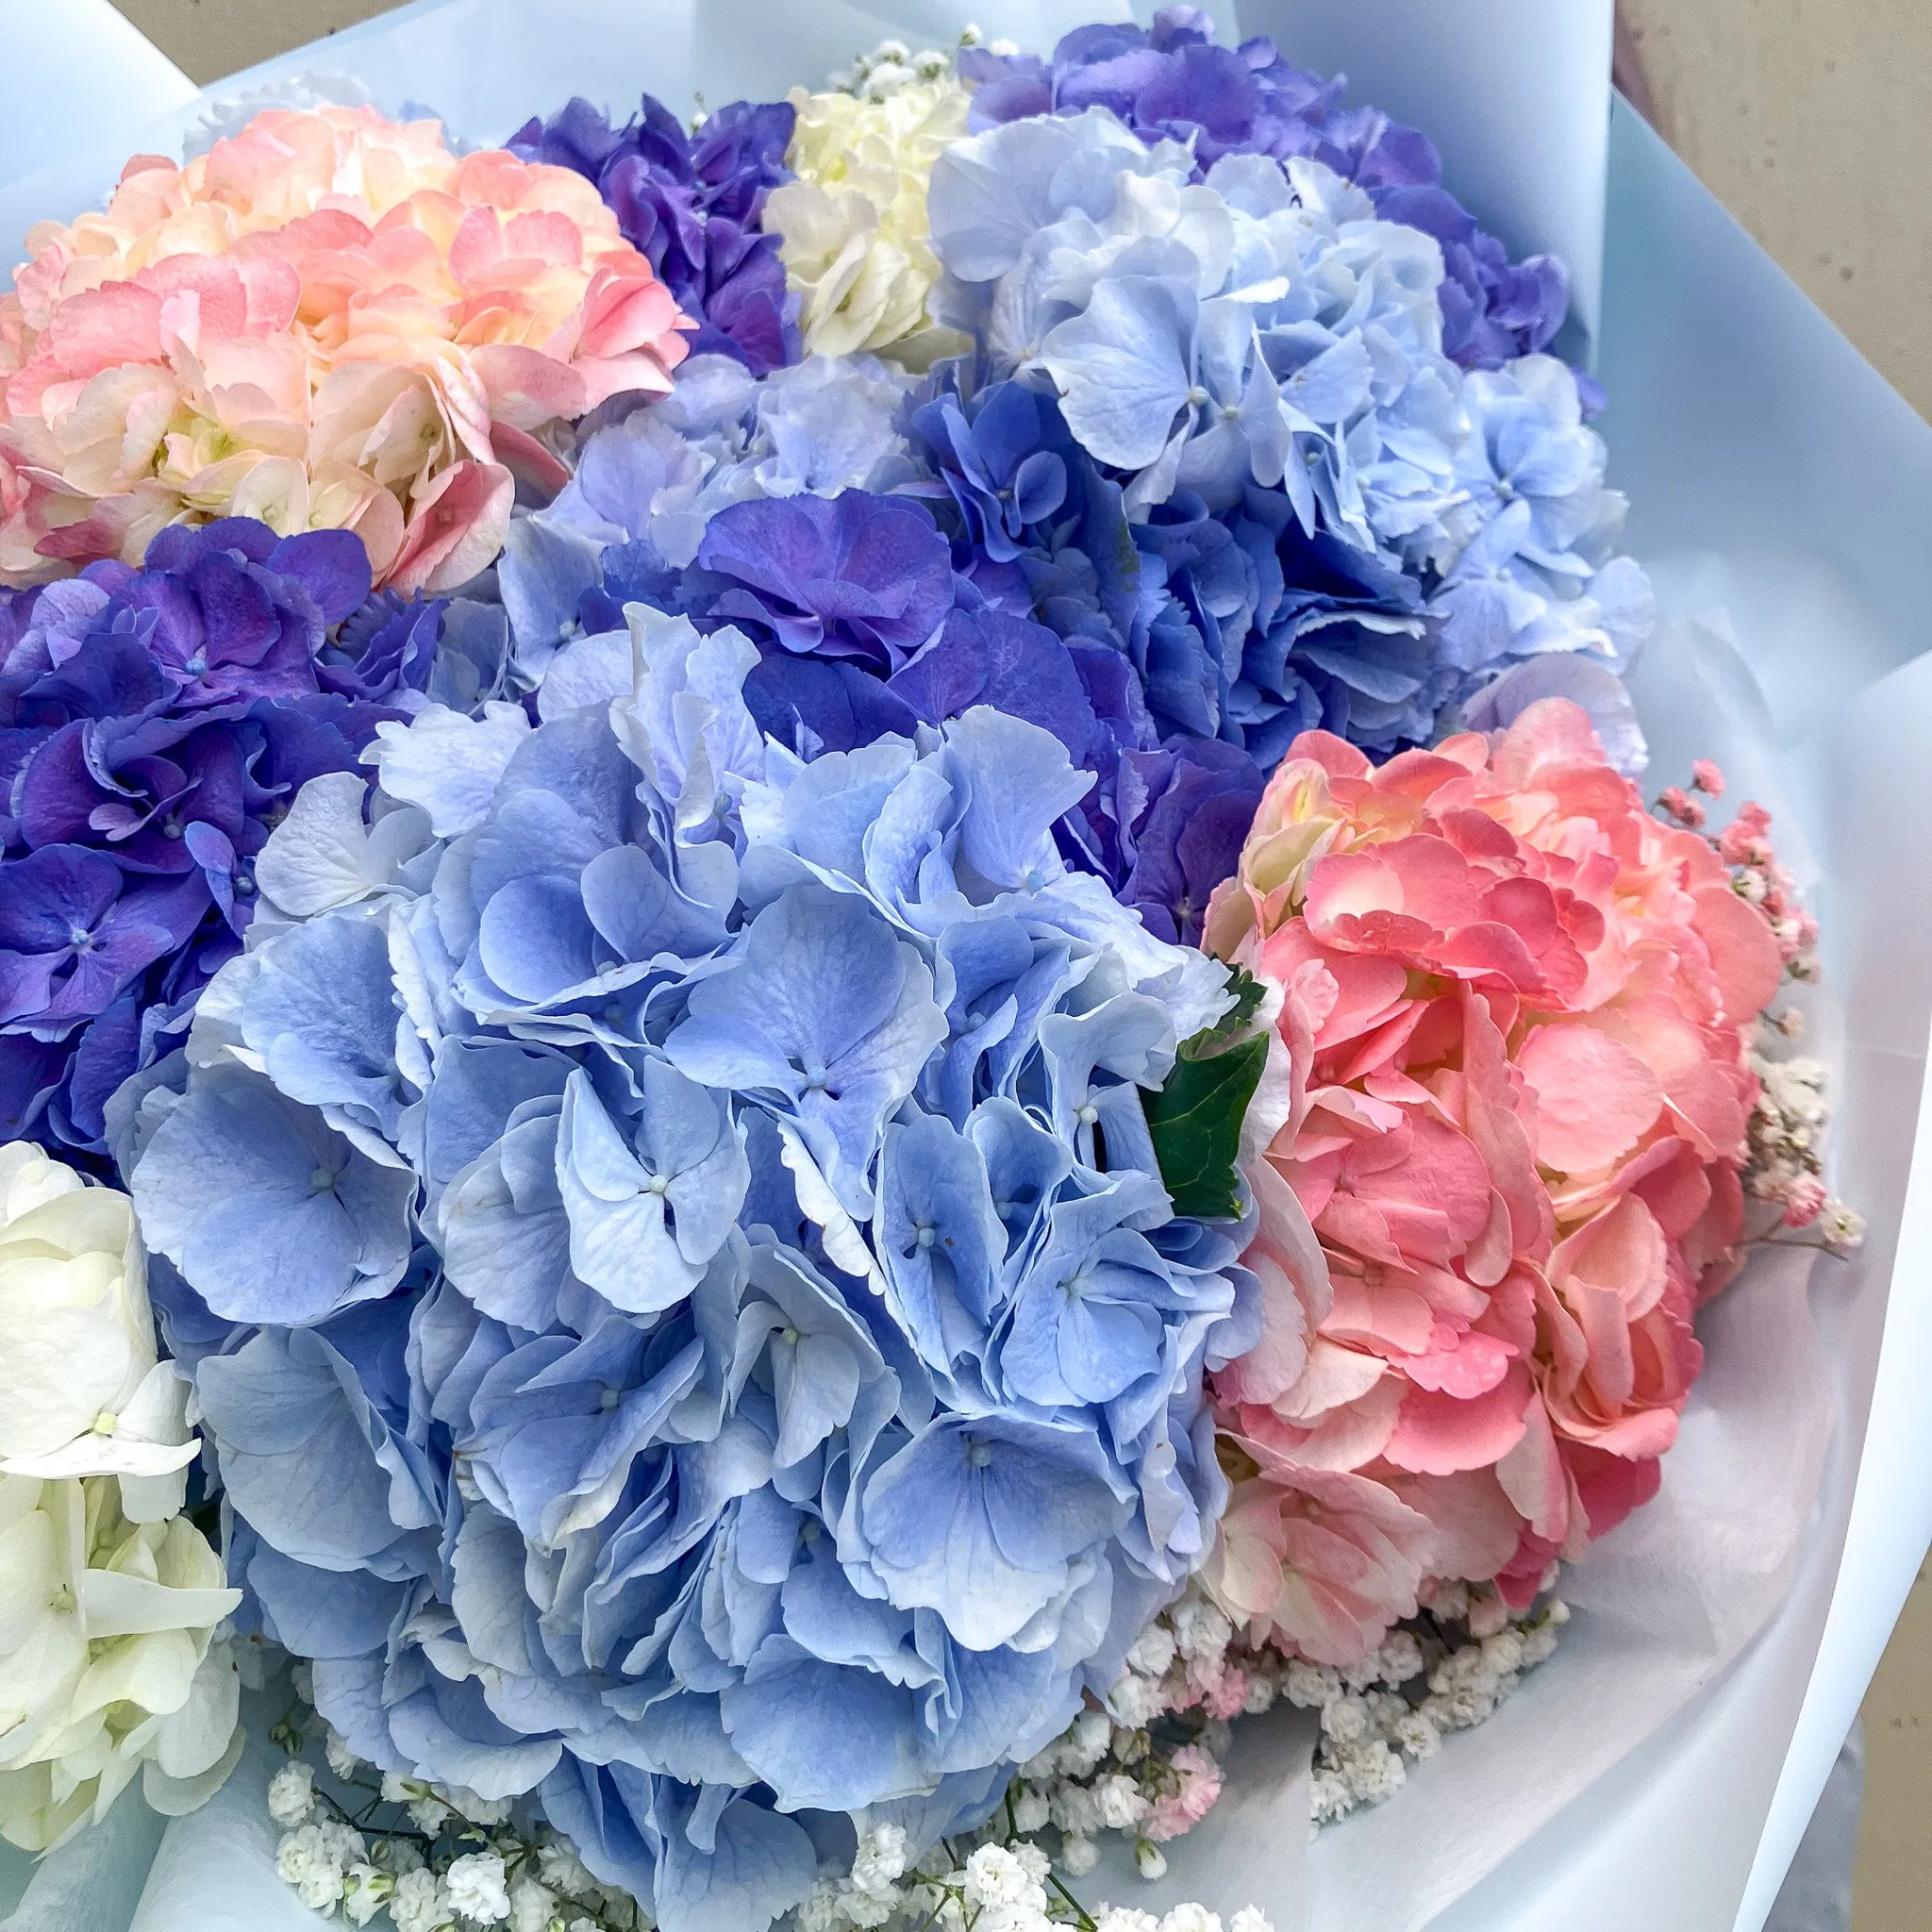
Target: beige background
(1812, 121)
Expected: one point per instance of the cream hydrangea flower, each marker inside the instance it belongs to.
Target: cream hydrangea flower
(853, 227)
(81, 1390)
(108, 1660)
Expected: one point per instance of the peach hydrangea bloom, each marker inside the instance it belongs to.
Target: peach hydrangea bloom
(1515, 1011)
(328, 320)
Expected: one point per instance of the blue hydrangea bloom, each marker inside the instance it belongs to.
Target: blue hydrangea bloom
(153, 725)
(1170, 82)
(1258, 327)
(693, 1203)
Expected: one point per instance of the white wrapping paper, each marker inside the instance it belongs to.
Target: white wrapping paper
(76, 73)
(1779, 492)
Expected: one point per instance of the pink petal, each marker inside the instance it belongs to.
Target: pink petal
(1594, 1096)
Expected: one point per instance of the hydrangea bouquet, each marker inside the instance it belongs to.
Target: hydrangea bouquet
(843, 928)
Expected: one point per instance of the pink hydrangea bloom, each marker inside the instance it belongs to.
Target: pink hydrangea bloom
(1516, 1008)
(328, 320)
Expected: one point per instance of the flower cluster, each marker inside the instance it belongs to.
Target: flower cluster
(1784, 1165)
(326, 321)
(1170, 82)
(698, 1205)
(1503, 1169)
(692, 205)
(153, 725)
(1149, 1767)
(430, 1857)
(881, 1178)
(108, 1668)
(1351, 535)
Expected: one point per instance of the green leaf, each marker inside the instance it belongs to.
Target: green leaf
(1247, 992)
(1196, 1122)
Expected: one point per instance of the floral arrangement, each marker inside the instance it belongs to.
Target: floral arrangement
(859, 899)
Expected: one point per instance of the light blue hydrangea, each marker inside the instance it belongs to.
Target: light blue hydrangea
(1261, 327)
(679, 1284)
(656, 478)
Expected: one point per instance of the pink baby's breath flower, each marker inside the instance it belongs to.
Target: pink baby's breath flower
(1679, 804)
(1707, 778)
(1807, 1199)
(1179, 1811)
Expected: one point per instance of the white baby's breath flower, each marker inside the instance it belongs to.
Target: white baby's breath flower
(366, 1889)
(1153, 1650)
(563, 1870)
(1123, 1803)
(994, 1876)
(477, 1887)
(1151, 1859)
(1125, 1919)
(1030, 1812)
(342, 1760)
(1079, 1855)
(1249, 1919)
(531, 1907)
(291, 1793)
(421, 1904)
(1191, 1918)
(314, 1861)
(880, 1860)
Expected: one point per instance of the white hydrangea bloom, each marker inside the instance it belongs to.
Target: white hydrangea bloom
(82, 1391)
(853, 228)
(109, 1665)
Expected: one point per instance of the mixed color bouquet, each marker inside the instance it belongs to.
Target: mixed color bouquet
(860, 905)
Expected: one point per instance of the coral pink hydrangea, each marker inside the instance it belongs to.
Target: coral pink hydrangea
(1515, 1017)
(326, 321)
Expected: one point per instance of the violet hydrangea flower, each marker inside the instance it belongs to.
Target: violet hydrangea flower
(691, 203)
(154, 725)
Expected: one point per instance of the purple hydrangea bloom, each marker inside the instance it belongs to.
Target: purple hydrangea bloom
(854, 575)
(693, 203)
(153, 725)
(869, 624)
(1171, 81)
